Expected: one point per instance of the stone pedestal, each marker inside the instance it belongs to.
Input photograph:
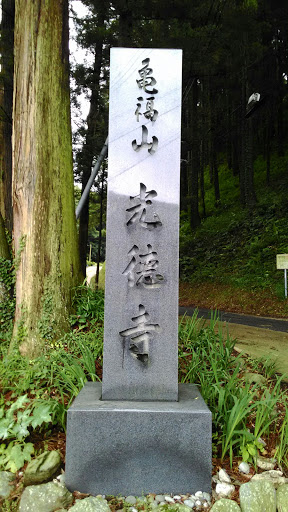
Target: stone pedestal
(133, 447)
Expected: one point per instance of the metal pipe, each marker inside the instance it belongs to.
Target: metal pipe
(90, 182)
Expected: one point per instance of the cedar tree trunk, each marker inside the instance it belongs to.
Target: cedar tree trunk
(43, 202)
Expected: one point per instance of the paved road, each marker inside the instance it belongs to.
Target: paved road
(274, 324)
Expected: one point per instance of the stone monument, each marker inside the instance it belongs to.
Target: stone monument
(140, 431)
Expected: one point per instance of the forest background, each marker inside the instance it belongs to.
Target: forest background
(233, 154)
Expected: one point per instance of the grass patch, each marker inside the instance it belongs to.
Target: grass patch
(242, 412)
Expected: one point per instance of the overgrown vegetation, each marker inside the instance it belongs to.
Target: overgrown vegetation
(7, 300)
(242, 413)
(235, 246)
(37, 393)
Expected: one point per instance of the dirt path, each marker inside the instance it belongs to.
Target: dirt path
(257, 336)
(257, 342)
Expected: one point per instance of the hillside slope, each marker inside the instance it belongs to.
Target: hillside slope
(229, 262)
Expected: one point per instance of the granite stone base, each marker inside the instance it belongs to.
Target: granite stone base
(121, 447)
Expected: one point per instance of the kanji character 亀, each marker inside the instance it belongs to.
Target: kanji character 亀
(146, 80)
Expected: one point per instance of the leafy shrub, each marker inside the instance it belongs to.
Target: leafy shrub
(7, 299)
(88, 305)
(16, 423)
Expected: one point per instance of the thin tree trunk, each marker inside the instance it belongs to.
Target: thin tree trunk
(235, 152)
(6, 103)
(215, 176)
(268, 153)
(125, 24)
(43, 192)
(195, 161)
(230, 134)
(250, 196)
(280, 96)
(184, 185)
(202, 184)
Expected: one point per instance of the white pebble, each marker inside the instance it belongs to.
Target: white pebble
(159, 497)
(169, 499)
(223, 476)
(189, 503)
(207, 496)
(133, 509)
(244, 468)
(224, 489)
(131, 500)
(177, 497)
(199, 494)
(198, 503)
(206, 505)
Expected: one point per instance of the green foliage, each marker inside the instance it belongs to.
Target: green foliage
(14, 455)
(8, 506)
(16, 423)
(282, 447)
(88, 305)
(8, 270)
(236, 246)
(241, 413)
(77, 368)
(251, 4)
(7, 300)
(43, 388)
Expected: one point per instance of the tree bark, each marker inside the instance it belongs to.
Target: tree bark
(250, 195)
(6, 102)
(214, 165)
(195, 161)
(4, 248)
(44, 213)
